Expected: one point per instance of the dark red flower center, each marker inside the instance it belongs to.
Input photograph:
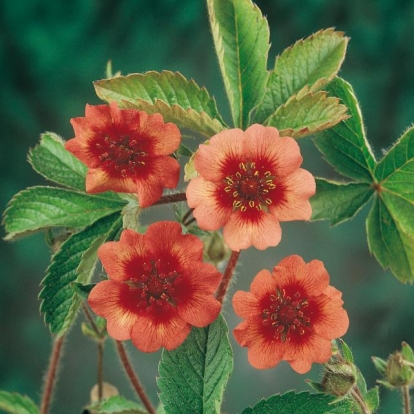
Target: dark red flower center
(250, 188)
(155, 286)
(121, 154)
(287, 315)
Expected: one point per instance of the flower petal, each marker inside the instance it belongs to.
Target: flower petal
(290, 200)
(160, 172)
(312, 277)
(281, 154)
(245, 304)
(163, 328)
(166, 236)
(315, 349)
(201, 195)
(333, 321)
(201, 310)
(99, 180)
(118, 257)
(241, 233)
(115, 302)
(262, 352)
(211, 159)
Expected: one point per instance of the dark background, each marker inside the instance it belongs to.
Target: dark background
(50, 53)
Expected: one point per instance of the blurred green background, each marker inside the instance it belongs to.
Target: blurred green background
(52, 51)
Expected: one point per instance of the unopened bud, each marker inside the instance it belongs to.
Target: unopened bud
(215, 250)
(339, 379)
(398, 370)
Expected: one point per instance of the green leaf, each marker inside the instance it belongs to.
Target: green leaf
(396, 169)
(301, 403)
(193, 377)
(50, 159)
(200, 123)
(337, 201)
(37, 208)
(74, 262)
(311, 62)
(372, 399)
(391, 246)
(241, 39)
(17, 404)
(395, 174)
(307, 113)
(345, 146)
(177, 99)
(82, 290)
(390, 225)
(116, 405)
(184, 151)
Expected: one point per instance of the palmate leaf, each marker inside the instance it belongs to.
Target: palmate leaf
(179, 100)
(74, 262)
(307, 113)
(50, 159)
(337, 201)
(37, 208)
(241, 39)
(345, 146)
(390, 225)
(311, 62)
(301, 403)
(193, 377)
(395, 176)
(17, 404)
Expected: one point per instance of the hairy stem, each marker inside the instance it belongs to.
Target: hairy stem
(136, 384)
(51, 375)
(406, 399)
(228, 273)
(356, 395)
(171, 198)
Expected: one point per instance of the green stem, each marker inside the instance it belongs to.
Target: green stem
(51, 376)
(133, 377)
(406, 399)
(100, 350)
(171, 198)
(228, 273)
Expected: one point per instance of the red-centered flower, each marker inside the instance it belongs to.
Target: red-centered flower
(248, 182)
(291, 314)
(158, 287)
(126, 151)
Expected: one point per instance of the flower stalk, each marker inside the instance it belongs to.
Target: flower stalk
(225, 281)
(357, 397)
(171, 198)
(51, 376)
(406, 399)
(135, 382)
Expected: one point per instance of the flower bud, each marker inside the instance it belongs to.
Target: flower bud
(215, 250)
(398, 370)
(339, 379)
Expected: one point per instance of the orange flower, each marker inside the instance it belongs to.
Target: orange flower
(158, 287)
(291, 314)
(248, 182)
(126, 151)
